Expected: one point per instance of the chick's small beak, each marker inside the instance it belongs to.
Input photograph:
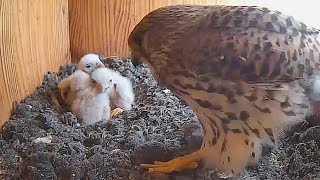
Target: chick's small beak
(99, 65)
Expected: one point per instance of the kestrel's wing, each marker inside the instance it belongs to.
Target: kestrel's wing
(252, 44)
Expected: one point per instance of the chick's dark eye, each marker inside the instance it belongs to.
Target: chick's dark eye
(88, 66)
(110, 80)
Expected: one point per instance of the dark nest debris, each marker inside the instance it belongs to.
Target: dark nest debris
(39, 142)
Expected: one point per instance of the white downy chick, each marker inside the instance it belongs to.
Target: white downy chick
(123, 96)
(85, 98)
(69, 86)
(118, 88)
(89, 62)
(91, 106)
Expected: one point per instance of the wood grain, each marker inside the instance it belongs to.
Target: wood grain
(34, 40)
(103, 26)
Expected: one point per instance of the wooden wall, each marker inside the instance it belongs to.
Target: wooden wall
(103, 26)
(34, 40)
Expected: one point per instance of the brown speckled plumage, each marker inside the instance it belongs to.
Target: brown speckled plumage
(241, 69)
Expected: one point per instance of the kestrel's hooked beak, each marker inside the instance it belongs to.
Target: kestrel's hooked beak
(100, 65)
(135, 60)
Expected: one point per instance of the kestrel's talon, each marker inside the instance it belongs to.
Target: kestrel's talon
(175, 165)
(169, 168)
(158, 162)
(192, 165)
(116, 112)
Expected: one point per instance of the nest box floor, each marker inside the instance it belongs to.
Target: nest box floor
(38, 142)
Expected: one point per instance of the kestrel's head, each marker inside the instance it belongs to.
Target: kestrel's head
(89, 63)
(104, 78)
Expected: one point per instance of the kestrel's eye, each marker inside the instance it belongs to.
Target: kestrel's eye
(88, 66)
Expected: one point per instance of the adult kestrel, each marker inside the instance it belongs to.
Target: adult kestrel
(246, 71)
